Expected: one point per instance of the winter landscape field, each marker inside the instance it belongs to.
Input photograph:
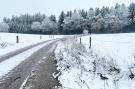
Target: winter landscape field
(67, 44)
(109, 62)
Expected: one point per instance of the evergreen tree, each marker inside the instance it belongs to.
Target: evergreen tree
(53, 18)
(83, 13)
(97, 11)
(61, 22)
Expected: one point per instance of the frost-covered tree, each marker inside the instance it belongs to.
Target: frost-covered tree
(117, 10)
(4, 27)
(90, 14)
(104, 11)
(48, 26)
(112, 23)
(132, 12)
(124, 14)
(124, 11)
(36, 26)
(74, 24)
(97, 24)
(116, 19)
(22, 23)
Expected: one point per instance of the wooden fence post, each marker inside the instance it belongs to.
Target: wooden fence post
(76, 37)
(40, 37)
(90, 43)
(17, 39)
(80, 40)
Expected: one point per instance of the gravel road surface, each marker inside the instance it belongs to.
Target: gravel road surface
(40, 64)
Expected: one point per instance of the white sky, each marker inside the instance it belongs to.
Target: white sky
(17, 7)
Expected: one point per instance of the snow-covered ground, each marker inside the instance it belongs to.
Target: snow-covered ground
(8, 41)
(111, 56)
(120, 47)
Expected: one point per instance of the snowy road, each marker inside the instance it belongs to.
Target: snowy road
(15, 70)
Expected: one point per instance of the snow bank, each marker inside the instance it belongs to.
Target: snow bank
(111, 55)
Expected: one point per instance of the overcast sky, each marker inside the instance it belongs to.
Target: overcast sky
(17, 7)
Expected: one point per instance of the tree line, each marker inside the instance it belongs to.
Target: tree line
(118, 18)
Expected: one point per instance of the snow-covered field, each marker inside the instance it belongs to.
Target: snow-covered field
(120, 47)
(8, 41)
(112, 57)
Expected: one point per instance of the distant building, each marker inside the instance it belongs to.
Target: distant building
(85, 32)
